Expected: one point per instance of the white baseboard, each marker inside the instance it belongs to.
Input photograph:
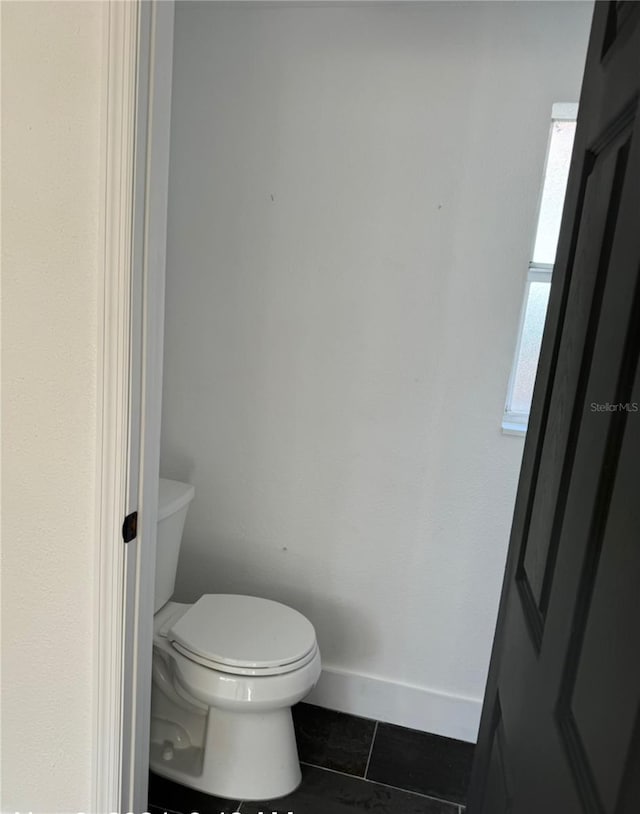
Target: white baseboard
(453, 716)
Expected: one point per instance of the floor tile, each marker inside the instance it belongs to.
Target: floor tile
(425, 763)
(327, 792)
(172, 797)
(333, 740)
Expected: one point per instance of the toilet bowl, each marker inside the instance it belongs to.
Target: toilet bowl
(226, 671)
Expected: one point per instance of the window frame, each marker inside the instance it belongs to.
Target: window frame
(516, 422)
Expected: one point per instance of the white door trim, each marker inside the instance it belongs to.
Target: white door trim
(113, 412)
(151, 181)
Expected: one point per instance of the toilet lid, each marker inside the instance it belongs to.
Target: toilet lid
(243, 633)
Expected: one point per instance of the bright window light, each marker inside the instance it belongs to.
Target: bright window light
(536, 295)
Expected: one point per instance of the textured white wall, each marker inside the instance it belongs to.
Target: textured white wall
(51, 129)
(352, 202)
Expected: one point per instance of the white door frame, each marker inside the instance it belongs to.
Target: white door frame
(149, 256)
(114, 307)
(135, 161)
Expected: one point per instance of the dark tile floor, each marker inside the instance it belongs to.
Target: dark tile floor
(349, 764)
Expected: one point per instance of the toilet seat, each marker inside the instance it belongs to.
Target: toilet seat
(246, 671)
(243, 635)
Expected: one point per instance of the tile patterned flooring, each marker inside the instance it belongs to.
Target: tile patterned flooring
(349, 765)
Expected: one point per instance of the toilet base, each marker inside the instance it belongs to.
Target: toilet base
(246, 756)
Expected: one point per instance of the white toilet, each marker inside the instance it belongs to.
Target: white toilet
(226, 671)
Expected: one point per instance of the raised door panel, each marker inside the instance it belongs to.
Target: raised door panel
(603, 170)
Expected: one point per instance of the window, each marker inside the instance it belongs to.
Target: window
(536, 295)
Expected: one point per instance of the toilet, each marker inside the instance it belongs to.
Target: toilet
(226, 672)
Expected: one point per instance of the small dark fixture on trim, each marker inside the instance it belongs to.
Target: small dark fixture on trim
(130, 527)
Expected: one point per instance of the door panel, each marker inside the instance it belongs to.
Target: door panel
(596, 225)
(560, 729)
(601, 670)
(497, 796)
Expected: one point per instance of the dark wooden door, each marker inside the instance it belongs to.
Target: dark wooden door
(560, 730)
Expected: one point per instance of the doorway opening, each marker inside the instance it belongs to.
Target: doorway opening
(337, 328)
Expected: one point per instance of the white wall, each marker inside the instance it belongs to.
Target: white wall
(51, 129)
(352, 202)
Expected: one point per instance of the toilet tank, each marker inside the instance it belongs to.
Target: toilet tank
(173, 502)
